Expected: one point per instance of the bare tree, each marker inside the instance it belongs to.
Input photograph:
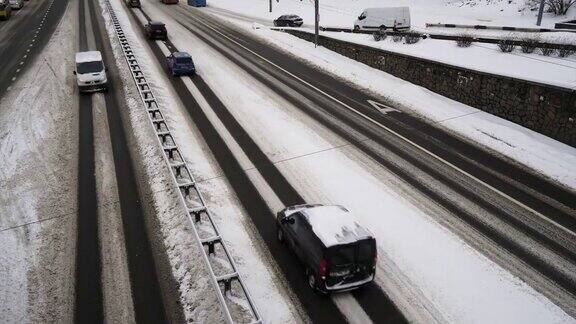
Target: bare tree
(560, 7)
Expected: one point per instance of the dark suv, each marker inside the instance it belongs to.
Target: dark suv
(156, 30)
(337, 252)
(133, 3)
(288, 21)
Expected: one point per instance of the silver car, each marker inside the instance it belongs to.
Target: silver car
(16, 4)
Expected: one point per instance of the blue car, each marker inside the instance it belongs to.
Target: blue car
(181, 63)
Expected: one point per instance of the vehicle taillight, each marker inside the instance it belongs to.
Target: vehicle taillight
(322, 268)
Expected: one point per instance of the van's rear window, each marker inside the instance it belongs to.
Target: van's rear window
(365, 251)
(342, 255)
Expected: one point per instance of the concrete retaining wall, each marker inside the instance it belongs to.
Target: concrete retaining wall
(543, 108)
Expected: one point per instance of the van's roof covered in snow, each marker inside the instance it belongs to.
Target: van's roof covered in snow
(334, 225)
(91, 56)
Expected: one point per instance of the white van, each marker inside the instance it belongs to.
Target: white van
(383, 18)
(90, 72)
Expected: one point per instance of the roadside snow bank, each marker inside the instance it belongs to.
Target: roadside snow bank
(38, 167)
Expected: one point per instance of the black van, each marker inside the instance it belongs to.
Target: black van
(338, 253)
(133, 3)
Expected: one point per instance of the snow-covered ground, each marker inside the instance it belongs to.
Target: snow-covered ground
(338, 13)
(440, 272)
(38, 163)
(482, 57)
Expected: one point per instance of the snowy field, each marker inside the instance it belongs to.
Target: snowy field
(482, 57)
(436, 277)
(342, 13)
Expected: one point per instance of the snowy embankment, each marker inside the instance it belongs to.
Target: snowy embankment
(432, 269)
(38, 163)
(547, 156)
(481, 57)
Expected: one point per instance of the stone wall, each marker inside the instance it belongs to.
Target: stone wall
(543, 108)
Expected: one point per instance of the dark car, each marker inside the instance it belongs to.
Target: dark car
(288, 21)
(133, 3)
(156, 30)
(181, 63)
(337, 252)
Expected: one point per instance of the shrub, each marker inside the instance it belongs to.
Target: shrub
(565, 51)
(412, 38)
(397, 38)
(506, 45)
(529, 44)
(560, 7)
(546, 51)
(464, 40)
(378, 36)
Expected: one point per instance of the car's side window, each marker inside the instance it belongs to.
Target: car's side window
(309, 240)
(296, 226)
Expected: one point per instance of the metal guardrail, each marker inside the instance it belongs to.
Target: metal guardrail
(505, 28)
(197, 212)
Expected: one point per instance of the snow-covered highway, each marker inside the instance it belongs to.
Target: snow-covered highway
(464, 235)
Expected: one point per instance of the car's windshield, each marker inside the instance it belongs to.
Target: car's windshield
(183, 60)
(342, 255)
(90, 67)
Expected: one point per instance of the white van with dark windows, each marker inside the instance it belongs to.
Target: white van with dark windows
(394, 18)
(90, 72)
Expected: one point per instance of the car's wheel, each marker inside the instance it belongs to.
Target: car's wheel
(280, 235)
(382, 28)
(356, 27)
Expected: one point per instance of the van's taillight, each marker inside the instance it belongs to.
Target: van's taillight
(322, 268)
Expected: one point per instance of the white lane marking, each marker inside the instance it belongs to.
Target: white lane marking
(401, 136)
(163, 48)
(384, 109)
(17, 70)
(21, 62)
(350, 308)
(13, 79)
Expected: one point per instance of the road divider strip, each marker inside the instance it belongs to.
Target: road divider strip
(196, 210)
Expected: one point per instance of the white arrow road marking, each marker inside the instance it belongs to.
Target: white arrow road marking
(382, 107)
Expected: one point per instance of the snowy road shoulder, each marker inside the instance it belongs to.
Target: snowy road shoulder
(38, 155)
